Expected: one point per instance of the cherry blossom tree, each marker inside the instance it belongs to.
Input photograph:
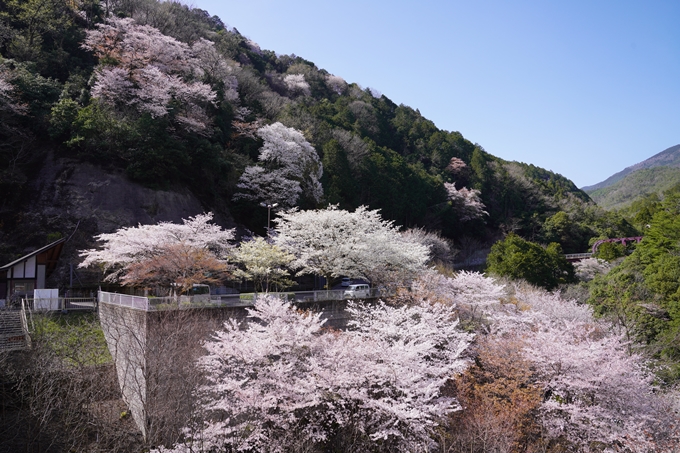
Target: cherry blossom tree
(284, 383)
(465, 202)
(263, 263)
(216, 69)
(441, 249)
(182, 254)
(178, 266)
(289, 168)
(456, 166)
(296, 83)
(590, 268)
(8, 100)
(153, 73)
(596, 388)
(336, 83)
(474, 295)
(333, 242)
(272, 187)
(243, 128)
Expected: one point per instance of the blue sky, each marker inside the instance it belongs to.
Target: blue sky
(582, 88)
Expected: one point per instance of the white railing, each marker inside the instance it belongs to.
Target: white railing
(225, 300)
(24, 323)
(577, 256)
(180, 302)
(61, 303)
(124, 300)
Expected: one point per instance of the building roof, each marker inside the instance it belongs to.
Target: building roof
(33, 253)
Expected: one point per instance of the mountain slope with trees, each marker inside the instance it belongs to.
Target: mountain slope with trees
(168, 97)
(651, 176)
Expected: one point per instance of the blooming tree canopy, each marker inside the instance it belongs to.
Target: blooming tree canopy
(296, 83)
(590, 268)
(154, 73)
(473, 294)
(8, 101)
(283, 381)
(595, 387)
(441, 248)
(289, 168)
(263, 263)
(166, 252)
(465, 202)
(333, 242)
(336, 83)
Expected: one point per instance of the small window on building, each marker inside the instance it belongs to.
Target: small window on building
(24, 288)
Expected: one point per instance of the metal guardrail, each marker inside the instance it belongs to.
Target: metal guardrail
(577, 256)
(181, 302)
(62, 304)
(224, 300)
(124, 300)
(24, 323)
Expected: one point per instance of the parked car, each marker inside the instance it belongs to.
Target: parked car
(360, 291)
(346, 281)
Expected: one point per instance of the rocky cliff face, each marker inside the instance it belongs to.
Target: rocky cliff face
(78, 201)
(81, 191)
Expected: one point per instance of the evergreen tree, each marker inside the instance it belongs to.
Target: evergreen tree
(517, 258)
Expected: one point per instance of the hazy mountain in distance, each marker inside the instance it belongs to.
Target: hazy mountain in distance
(656, 174)
(667, 158)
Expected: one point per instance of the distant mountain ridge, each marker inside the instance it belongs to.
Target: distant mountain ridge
(667, 158)
(654, 175)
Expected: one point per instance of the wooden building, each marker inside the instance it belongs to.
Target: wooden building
(22, 276)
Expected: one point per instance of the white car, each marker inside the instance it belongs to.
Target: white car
(359, 291)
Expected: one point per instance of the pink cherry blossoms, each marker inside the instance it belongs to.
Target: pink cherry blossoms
(128, 246)
(465, 202)
(143, 69)
(283, 381)
(289, 168)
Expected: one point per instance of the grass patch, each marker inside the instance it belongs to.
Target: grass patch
(77, 338)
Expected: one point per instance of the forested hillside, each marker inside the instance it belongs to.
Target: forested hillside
(640, 293)
(666, 158)
(166, 96)
(651, 176)
(647, 181)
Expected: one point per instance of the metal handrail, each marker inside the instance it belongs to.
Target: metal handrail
(64, 303)
(224, 300)
(578, 255)
(24, 323)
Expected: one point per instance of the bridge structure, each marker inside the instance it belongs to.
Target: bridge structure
(623, 241)
(576, 257)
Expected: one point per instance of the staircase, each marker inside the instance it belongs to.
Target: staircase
(13, 330)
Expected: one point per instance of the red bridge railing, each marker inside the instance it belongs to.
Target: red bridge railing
(621, 240)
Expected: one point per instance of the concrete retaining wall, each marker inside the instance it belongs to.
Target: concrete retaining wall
(155, 354)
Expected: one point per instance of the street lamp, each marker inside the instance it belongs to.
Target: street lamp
(269, 212)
